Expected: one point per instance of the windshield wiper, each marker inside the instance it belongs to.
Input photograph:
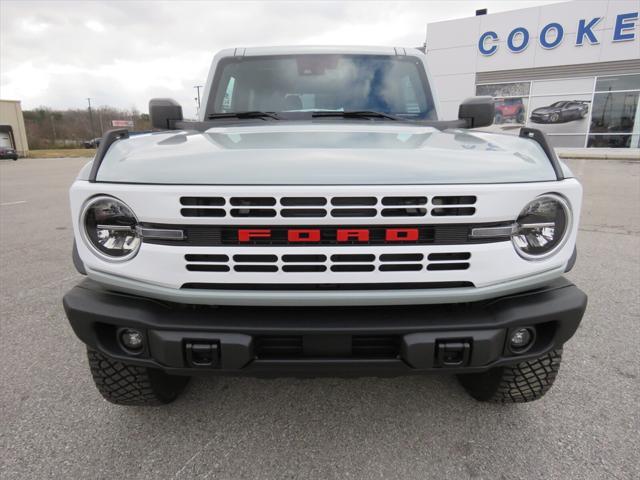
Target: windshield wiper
(357, 114)
(251, 114)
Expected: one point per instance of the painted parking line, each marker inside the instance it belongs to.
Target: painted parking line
(6, 204)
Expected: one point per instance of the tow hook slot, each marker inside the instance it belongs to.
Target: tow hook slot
(453, 354)
(203, 354)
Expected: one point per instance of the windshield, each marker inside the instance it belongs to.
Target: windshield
(310, 83)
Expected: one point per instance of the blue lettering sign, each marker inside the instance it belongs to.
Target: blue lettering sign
(518, 39)
(523, 44)
(543, 35)
(481, 43)
(585, 30)
(624, 22)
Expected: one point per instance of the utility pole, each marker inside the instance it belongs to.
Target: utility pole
(53, 128)
(197, 99)
(100, 118)
(93, 132)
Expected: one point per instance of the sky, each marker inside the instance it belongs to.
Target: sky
(121, 53)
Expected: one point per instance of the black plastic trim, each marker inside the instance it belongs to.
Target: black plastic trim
(555, 311)
(77, 261)
(572, 261)
(326, 286)
(108, 139)
(539, 137)
(226, 235)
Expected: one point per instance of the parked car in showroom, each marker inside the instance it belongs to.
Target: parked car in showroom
(561, 112)
(320, 218)
(8, 153)
(509, 110)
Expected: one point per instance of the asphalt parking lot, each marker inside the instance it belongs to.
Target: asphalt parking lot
(54, 424)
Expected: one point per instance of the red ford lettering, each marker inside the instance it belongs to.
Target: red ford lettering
(303, 235)
(401, 235)
(360, 235)
(248, 235)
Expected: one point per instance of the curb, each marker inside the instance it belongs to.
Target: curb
(632, 154)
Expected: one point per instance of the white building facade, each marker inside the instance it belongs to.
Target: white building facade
(570, 69)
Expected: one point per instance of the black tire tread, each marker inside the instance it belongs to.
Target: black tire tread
(524, 382)
(125, 384)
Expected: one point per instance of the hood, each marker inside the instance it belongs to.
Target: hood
(346, 153)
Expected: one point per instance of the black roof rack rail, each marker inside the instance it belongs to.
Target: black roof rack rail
(107, 140)
(541, 138)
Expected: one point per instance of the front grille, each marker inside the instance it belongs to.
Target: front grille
(288, 347)
(341, 207)
(375, 346)
(283, 346)
(218, 236)
(340, 263)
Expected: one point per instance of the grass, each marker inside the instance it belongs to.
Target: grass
(63, 153)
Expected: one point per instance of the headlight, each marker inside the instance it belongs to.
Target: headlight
(109, 228)
(542, 227)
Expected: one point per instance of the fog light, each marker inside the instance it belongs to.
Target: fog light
(131, 339)
(521, 338)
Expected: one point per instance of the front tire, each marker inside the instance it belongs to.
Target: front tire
(125, 384)
(525, 382)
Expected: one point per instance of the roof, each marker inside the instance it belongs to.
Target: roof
(326, 49)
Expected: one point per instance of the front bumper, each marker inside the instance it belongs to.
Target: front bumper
(470, 337)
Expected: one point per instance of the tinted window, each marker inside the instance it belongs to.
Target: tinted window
(295, 83)
(613, 141)
(614, 112)
(618, 82)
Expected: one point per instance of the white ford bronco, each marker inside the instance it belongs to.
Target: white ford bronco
(319, 218)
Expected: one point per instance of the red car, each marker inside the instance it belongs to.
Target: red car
(509, 109)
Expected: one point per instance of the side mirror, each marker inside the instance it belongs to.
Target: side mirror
(164, 113)
(477, 111)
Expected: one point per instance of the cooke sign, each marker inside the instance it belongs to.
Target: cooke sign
(552, 34)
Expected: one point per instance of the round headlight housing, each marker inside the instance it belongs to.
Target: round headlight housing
(542, 227)
(109, 228)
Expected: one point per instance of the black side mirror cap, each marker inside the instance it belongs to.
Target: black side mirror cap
(164, 113)
(477, 111)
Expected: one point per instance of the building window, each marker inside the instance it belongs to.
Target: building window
(615, 119)
(618, 82)
(571, 111)
(511, 101)
(517, 89)
(613, 141)
(614, 112)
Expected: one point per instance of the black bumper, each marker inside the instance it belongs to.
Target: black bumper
(184, 339)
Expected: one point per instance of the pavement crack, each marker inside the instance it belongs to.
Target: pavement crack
(609, 230)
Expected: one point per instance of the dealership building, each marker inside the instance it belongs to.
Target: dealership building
(570, 69)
